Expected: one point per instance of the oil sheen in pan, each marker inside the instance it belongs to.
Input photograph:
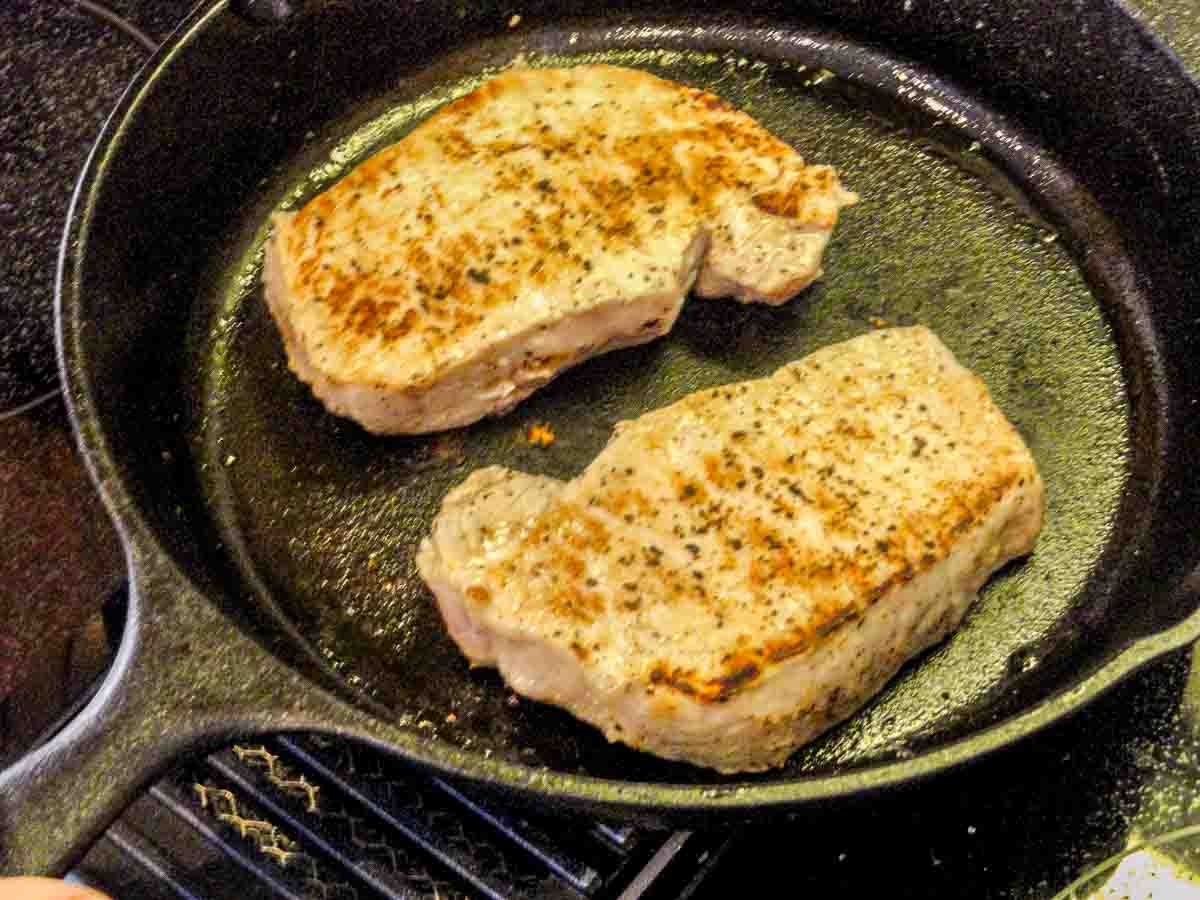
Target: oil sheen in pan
(329, 517)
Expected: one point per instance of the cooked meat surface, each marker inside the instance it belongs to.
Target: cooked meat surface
(546, 217)
(739, 571)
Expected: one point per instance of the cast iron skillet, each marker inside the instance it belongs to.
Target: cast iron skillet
(1029, 174)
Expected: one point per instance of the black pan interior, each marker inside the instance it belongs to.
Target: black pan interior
(323, 519)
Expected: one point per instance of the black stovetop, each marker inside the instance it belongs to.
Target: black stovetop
(1026, 823)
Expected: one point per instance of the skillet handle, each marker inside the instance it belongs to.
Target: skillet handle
(185, 679)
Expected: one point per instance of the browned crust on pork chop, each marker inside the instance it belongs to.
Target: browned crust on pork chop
(515, 209)
(757, 558)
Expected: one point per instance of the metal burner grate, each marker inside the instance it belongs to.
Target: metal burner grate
(312, 818)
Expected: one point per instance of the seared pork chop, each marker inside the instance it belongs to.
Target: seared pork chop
(737, 572)
(546, 217)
